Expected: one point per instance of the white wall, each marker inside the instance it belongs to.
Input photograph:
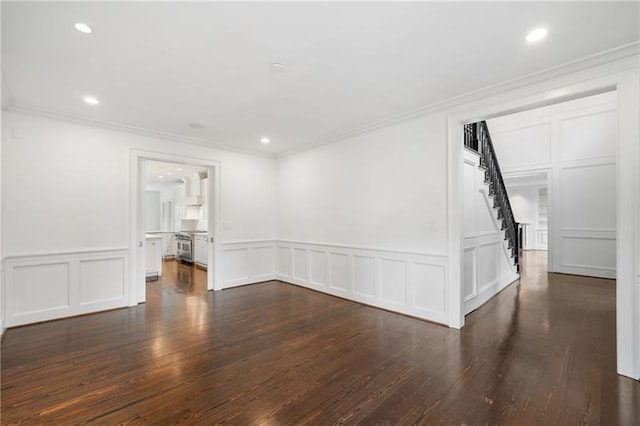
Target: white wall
(66, 212)
(576, 141)
(365, 218)
(488, 264)
(152, 210)
(2, 295)
(384, 189)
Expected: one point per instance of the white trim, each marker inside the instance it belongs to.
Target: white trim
(622, 75)
(94, 122)
(23, 309)
(587, 230)
(251, 242)
(588, 237)
(592, 267)
(136, 234)
(487, 292)
(611, 60)
(63, 254)
(422, 298)
(243, 270)
(362, 248)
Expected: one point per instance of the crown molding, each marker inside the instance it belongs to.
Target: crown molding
(616, 59)
(612, 60)
(79, 119)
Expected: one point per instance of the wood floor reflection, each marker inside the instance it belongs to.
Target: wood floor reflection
(542, 352)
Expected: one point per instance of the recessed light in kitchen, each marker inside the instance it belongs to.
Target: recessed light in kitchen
(91, 100)
(265, 140)
(276, 68)
(196, 125)
(160, 177)
(179, 169)
(83, 28)
(537, 35)
(169, 173)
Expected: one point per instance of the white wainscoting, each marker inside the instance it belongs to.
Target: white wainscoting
(409, 283)
(586, 218)
(247, 262)
(49, 286)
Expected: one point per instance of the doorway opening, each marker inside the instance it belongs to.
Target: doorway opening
(625, 195)
(560, 167)
(176, 229)
(542, 172)
(176, 221)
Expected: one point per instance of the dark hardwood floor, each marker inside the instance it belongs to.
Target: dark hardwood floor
(542, 352)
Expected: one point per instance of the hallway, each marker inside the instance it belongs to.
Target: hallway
(540, 352)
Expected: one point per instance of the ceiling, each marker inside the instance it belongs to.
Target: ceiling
(163, 65)
(160, 175)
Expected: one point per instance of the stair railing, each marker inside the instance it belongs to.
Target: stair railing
(476, 137)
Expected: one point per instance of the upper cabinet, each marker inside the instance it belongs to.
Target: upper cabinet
(192, 190)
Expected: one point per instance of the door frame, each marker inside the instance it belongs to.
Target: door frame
(622, 76)
(551, 220)
(136, 236)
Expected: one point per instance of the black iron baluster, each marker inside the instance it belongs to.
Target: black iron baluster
(476, 137)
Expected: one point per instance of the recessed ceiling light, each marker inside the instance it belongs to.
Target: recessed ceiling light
(83, 28)
(169, 173)
(537, 35)
(265, 140)
(91, 100)
(160, 177)
(179, 169)
(277, 68)
(196, 125)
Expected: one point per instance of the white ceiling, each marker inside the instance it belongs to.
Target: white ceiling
(161, 65)
(172, 174)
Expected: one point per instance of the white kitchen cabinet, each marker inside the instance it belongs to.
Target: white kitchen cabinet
(153, 255)
(200, 249)
(168, 246)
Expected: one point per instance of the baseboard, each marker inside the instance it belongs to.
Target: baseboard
(586, 271)
(489, 291)
(248, 281)
(408, 283)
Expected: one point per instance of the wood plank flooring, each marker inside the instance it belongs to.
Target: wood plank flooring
(542, 352)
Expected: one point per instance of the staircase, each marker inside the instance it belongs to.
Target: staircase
(477, 138)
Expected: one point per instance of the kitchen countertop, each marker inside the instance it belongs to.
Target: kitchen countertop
(152, 237)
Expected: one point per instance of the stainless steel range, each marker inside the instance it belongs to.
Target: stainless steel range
(184, 243)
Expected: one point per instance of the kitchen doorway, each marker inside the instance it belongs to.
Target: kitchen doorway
(176, 229)
(175, 221)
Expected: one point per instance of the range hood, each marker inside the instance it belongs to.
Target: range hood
(192, 212)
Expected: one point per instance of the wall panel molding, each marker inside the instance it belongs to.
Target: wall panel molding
(410, 283)
(43, 287)
(248, 262)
